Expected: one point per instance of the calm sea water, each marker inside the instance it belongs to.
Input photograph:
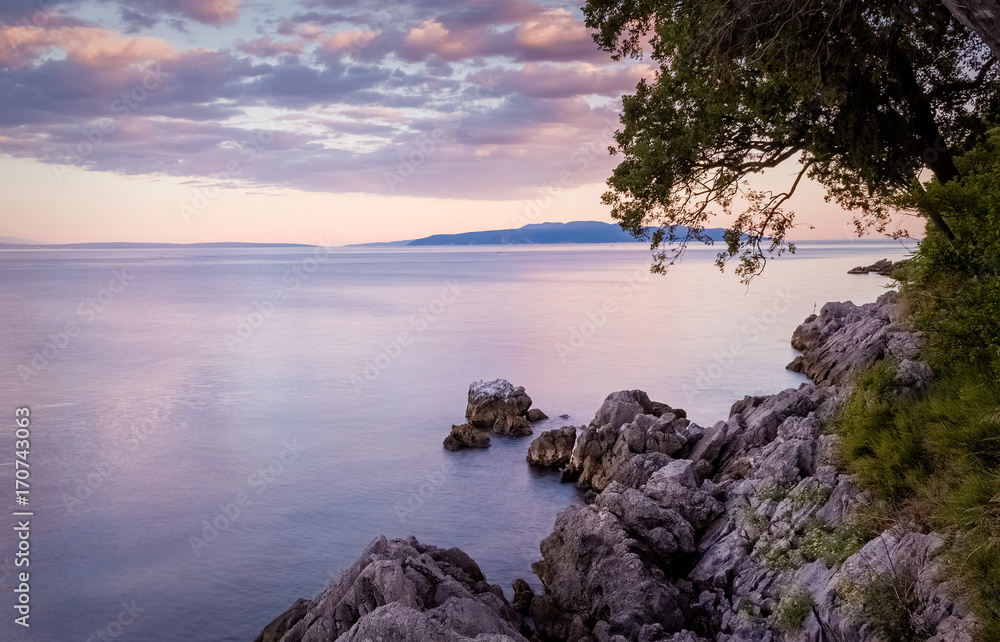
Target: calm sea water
(217, 433)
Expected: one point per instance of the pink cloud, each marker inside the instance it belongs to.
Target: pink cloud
(553, 31)
(91, 46)
(563, 80)
(212, 12)
(549, 34)
(266, 46)
(346, 41)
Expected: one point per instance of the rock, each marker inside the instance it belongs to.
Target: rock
(466, 436)
(491, 401)
(623, 406)
(635, 472)
(746, 403)
(512, 426)
(845, 338)
(676, 486)
(553, 447)
(882, 267)
(535, 415)
(454, 621)
(523, 595)
(598, 577)
(691, 534)
(404, 591)
(274, 631)
(606, 445)
(914, 376)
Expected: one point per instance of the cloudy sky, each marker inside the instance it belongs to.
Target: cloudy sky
(342, 120)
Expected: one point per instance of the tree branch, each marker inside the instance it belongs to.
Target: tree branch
(953, 87)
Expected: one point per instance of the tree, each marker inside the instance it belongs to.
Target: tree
(863, 94)
(982, 16)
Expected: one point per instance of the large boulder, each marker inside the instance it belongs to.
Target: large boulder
(466, 436)
(598, 577)
(403, 591)
(553, 447)
(498, 405)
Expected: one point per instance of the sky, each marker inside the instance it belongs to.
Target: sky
(340, 121)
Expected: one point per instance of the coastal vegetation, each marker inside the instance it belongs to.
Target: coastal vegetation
(935, 458)
(871, 99)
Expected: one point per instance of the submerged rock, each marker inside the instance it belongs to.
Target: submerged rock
(535, 415)
(466, 436)
(553, 447)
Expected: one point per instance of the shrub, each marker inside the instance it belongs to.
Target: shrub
(936, 458)
(793, 609)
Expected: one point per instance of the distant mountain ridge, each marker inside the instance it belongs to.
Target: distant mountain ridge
(15, 240)
(141, 246)
(546, 234)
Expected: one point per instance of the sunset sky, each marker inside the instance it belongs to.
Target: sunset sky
(342, 120)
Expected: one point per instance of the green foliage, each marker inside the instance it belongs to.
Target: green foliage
(864, 94)
(936, 458)
(832, 545)
(793, 609)
(812, 494)
(890, 602)
(774, 492)
(954, 288)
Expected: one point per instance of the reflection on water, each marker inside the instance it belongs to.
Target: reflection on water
(219, 432)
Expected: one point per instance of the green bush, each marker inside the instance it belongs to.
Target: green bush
(793, 609)
(936, 458)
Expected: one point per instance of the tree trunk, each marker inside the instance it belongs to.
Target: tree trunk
(936, 155)
(982, 17)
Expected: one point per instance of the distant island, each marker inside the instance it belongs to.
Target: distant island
(531, 234)
(33, 245)
(539, 234)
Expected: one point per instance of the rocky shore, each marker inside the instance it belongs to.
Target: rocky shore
(738, 532)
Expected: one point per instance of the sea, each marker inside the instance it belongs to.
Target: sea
(214, 433)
